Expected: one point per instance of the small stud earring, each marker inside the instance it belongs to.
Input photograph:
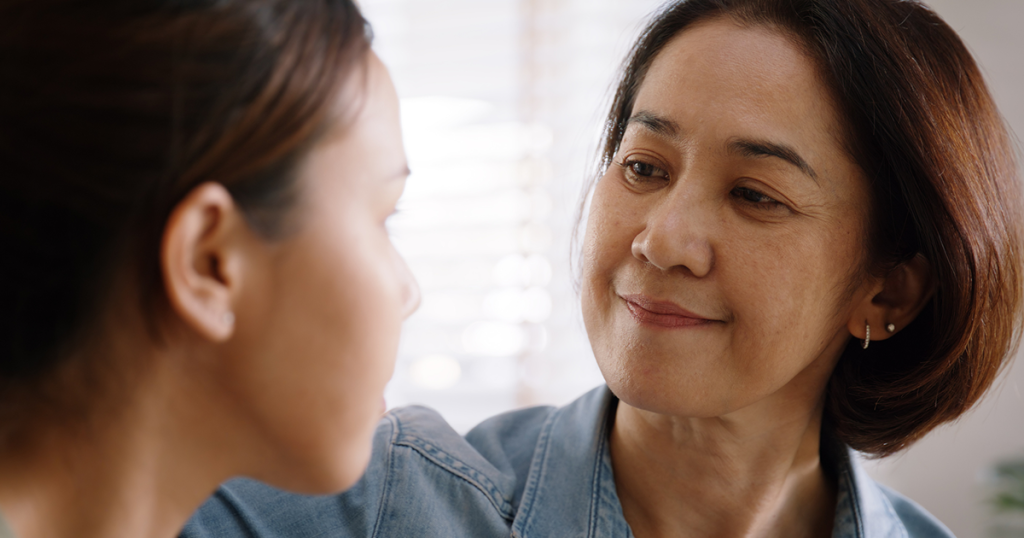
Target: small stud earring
(228, 318)
(867, 334)
(890, 328)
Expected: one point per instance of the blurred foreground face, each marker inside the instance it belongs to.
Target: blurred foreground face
(322, 340)
(724, 246)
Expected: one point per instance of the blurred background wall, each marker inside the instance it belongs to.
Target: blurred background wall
(503, 101)
(501, 109)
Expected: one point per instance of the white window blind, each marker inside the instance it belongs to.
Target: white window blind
(502, 103)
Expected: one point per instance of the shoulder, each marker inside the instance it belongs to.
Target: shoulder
(918, 522)
(493, 458)
(501, 444)
(424, 478)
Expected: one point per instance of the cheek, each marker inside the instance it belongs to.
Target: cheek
(354, 301)
(606, 246)
(341, 286)
(611, 226)
(325, 348)
(790, 291)
(607, 255)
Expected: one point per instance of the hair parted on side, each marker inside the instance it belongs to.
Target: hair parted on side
(112, 112)
(945, 185)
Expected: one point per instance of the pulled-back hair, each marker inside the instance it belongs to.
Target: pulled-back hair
(111, 112)
(944, 183)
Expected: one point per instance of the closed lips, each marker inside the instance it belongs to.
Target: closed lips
(662, 313)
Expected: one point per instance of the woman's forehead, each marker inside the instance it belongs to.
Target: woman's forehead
(723, 81)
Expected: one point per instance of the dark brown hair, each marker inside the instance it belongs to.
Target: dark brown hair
(111, 112)
(942, 169)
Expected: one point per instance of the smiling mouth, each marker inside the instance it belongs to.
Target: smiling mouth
(647, 311)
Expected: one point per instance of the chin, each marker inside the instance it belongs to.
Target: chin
(636, 395)
(659, 393)
(334, 474)
(346, 476)
(628, 387)
(666, 405)
(325, 464)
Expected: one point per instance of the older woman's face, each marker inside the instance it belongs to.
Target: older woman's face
(724, 247)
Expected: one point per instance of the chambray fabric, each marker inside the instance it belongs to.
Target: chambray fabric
(536, 473)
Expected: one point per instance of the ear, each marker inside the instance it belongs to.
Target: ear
(201, 260)
(897, 300)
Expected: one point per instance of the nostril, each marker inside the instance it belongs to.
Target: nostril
(639, 247)
(688, 250)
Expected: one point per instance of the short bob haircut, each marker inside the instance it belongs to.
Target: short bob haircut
(110, 114)
(943, 172)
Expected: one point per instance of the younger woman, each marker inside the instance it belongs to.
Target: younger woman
(196, 280)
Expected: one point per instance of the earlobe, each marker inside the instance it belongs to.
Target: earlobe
(903, 293)
(199, 260)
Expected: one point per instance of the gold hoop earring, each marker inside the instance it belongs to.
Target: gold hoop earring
(867, 334)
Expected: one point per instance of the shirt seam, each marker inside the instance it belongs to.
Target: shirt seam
(388, 463)
(234, 505)
(472, 476)
(595, 494)
(858, 518)
(533, 479)
(854, 498)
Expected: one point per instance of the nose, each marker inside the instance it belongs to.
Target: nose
(675, 235)
(410, 289)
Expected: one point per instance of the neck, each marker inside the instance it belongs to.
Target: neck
(750, 476)
(137, 465)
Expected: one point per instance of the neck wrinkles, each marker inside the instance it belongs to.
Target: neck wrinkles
(721, 476)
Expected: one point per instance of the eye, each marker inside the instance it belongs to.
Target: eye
(638, 172)
(756, 199)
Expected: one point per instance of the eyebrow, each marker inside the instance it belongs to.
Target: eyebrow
(763, 148)
(746, 147)
(655, 123)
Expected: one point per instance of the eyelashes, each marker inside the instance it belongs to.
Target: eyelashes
(756, 198)
(638, 172)
(646, 176)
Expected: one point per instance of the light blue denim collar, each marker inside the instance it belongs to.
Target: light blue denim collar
(572, 457)
(862, 508)
(566, 491)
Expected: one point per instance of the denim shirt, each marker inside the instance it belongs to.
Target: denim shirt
(536, 473)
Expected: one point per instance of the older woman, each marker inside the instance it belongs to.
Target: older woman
(805, 241)
(197, 282)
